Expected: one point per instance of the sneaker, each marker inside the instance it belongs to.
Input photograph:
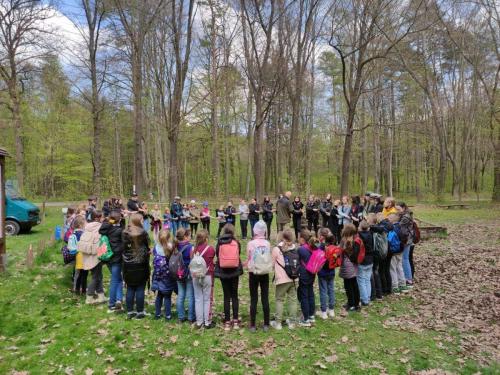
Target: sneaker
(312, 319)
(111, 309)
(379, 297)
(323, 315)
(227, 326)
(346, 307)
(236, 324)
(131, 315)
(396, 291)
(304, 323)
(157, 317)
(352, 308)
(265, 328)
(90, 300)
(364, 304)
(404, 289)
(198, 326)
(140, 315)
(168, 317)
(101, 298)
(331, 313)
(277, 325)
(210, 325)
(252, 329)
(118, 305)
(409, 284)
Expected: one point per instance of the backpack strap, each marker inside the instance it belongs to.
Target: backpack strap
(281, 251)
(204, 250)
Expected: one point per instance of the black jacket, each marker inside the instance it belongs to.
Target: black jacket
(367, 238)
(133, 205)
(297, 206)
(252, 214)
(135, 258)
(226, 273)
(310, 214)
(267, 211)
(114, 234)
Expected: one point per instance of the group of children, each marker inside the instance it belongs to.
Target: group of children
(373, 256)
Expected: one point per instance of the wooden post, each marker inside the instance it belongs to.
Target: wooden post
(3, 247)
(30, 257)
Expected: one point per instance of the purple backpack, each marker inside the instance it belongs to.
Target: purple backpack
(160, 266)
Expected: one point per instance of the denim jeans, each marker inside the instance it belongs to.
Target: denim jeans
(406, 263)
(326, 292)
(115, 284)
(137, 293)
(163, 299)
(174, 225)
(185, 291)
(364, 282)
(252, 223)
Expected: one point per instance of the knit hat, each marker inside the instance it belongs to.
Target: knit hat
(260, 229)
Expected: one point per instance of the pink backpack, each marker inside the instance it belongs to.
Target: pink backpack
(229, 255)
(316, 261)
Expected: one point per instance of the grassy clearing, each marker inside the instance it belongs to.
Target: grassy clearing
(44, 329)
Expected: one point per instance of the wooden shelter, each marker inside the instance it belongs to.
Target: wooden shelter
(3, 252)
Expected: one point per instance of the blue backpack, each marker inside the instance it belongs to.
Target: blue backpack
(394, 241)
(160, 264)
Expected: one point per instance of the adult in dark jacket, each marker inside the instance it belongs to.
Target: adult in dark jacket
(297, 212)
(365, 268)
(112, 229)
(325, 210)
(229, 278)
(305, 291)
(253, 213)
(230, 213)
(133, 204)
(384, 269)
(377, 205)
(267, 214)
(284, 210)
(312, 214)
(135, 265)
(176, 214)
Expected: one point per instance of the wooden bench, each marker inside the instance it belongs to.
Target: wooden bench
(461, 206)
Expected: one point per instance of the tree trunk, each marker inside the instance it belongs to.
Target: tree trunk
(138, 132)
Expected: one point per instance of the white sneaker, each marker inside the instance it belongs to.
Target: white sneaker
(331, 313)
(323, 315)
(276, 325)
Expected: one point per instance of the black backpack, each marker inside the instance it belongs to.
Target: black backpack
(292, 263)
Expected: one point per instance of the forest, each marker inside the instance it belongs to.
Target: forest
(229, 98)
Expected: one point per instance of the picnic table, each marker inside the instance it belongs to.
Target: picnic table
(454, 205)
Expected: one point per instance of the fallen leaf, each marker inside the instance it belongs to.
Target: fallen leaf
(332, 358)
(344, 339)
(89, 371)
(320, 365)
(173, 339)
(99, 351)
(196, 343)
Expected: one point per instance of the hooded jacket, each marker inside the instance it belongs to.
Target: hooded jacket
(280, 276)
(367, 238)
(89, 241)
(259, 240)
(226, 273)
(114, 234)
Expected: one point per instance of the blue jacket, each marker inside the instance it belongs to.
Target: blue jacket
(186, 247)
(326, 272)
(176, 210)
(305, 277)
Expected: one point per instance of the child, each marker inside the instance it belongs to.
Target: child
(146, 217)
(365, 268)
(228, 248)
(221, 218)
(389, 207)
(135, 265)
(156, 214)
(285, 287)
(259, 252)
(162, 282)
(111, 227)
(205, 217)
(68, 221)
(349, 267)
(305, 290)
(397, 273)
(185, 287)
(326, 277)
(376, 281)
(186, 216)
(88, 244)
(194, 218)
(167, 218)
(79, 274)
(203, 287)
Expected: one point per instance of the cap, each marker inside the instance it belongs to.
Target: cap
(368, 194)
(375, 195)
(205, 204)
(177, 198)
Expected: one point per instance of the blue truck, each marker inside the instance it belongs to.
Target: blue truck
(21, 215)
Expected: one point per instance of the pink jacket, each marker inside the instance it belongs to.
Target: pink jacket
(280, 276)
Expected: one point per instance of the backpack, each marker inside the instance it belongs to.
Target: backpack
(198, 266)
(176, 265)
(104, 252)
(380, 245)
(160, 266)
(362, 250)
(68, 256)
(68, 234)
(333, 255)
(416, 233)
(291, 266)
(394, 242)
(316, 261)
(229, 255)
(262, 261)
